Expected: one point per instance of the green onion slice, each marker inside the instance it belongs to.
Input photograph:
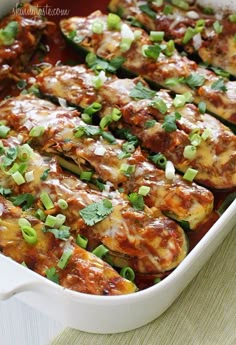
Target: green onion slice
(82, 241)
(100, 251)
(63, 262)
(127, 273)
(29, 234)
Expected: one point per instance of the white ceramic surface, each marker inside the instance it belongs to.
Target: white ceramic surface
(98, 313)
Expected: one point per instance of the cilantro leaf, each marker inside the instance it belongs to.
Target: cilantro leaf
(96, 212)
(60, 234)
(219, 85)
(169, 123)
(24, 200)
(142, 92)
(52, 275)
(9, 157)
(149, 123)
(195, 80)
(153, 51)
(9, 33)
(99, 64)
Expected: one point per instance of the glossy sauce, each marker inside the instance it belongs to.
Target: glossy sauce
(59, 51)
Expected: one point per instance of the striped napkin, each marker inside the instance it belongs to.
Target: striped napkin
(204, 314)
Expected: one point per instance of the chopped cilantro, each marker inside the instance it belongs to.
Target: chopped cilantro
(219, 85)
(10, 156)
(9, 33)
(96, 212)
(221, 72)
(150, 123)
(60, 234)
(152, 51)
(99, 64)
(142, 92)
(24, 200)
(169, 123)
(195, 80)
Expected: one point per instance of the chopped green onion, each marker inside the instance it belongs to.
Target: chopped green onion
(232, 18)
(29, 234)
(82, 241)
(179, 101)
(24, 152)
(127, 273)
(202, 107)
(100, 251)
(4, 130)
(206, 134)
(5, 191)
(126, 44)
(63, 262)
(158, 3)
(200, 25)
(40, 215)
(217, 27)
(189, 34)
(144, 190)
(169, 170)
(86, 175)
(62, 204)
(52, 275)
(113, 21)
(190, 174)
(181, 4)
(108, 137)
(99, 80)
(159, 159)
(98, 27)
(51, 221)
(136, 201)
(190, 152)
(93, 108)
(46, 200)
(157, 36)
(29, 176)
(195, 139)
(159, 104)
(170, 48)
(37, 131)
(116, 114)
(18, 178)
(105, 121)
(60, 220)
(127, 169)
(86, 118)
(23, 222)
(128, 147)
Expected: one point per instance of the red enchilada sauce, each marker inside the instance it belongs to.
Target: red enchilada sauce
(56, 50)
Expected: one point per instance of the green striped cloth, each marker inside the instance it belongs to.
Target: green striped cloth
(204, 314)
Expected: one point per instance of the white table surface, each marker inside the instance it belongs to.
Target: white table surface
(22, 325)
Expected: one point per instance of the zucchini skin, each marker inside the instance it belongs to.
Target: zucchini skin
(215, 157)
(166, 195)
(107, 46)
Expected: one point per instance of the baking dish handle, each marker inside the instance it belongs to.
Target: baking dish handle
(18, 288)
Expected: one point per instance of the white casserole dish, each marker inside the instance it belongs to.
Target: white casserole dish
(101, 314)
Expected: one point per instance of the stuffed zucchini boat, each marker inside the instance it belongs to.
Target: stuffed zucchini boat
(62, 131)
(157, 62)
(22, 238)
(187, 137)
(145, 241)
(20, 34)
(198, 30)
